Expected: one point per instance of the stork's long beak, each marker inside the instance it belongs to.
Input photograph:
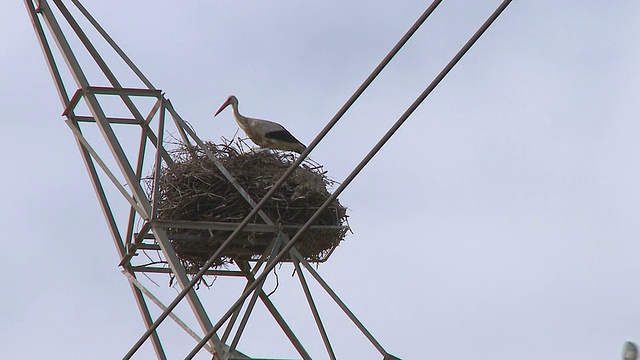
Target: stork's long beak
(226, 103)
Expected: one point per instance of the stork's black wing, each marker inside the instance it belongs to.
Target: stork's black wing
(282, 135)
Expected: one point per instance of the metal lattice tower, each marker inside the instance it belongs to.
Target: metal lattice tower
(121, 130)
(102, 119)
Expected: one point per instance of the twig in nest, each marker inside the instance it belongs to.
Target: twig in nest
(147, 276)
(275, 272)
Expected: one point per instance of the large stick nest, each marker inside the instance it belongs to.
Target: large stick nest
(195, 189)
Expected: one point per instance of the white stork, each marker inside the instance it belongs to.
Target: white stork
(264, 133)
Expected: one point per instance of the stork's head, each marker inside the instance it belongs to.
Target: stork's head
(230, 100)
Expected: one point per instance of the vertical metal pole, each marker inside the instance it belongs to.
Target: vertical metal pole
(168, 250)
(132, 212)
(141, 152)
(158, 165)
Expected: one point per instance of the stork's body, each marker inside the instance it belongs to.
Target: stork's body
(264, 133)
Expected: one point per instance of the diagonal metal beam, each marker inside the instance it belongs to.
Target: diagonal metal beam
(48, 54)
(83, 83)
(64, 98)
(113, 44)
(361, 165)
(412, 30)
(314, 311)
(181, 276)
(120, 247)
(116, 149)
(85, 144)
(234, 317)
(339, 302)
(107, 72)
(244, 266)
(274, 250)
(132, 279)
(181, 124)
(158, 165)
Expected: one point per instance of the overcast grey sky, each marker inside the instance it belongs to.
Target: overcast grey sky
(501, 222)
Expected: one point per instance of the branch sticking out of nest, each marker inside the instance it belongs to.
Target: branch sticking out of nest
(194, 189)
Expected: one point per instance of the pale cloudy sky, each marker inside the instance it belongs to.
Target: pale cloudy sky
(500, 222)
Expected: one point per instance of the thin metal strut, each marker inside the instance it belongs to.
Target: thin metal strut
(412, 30)
(143, 206)
(474, 38)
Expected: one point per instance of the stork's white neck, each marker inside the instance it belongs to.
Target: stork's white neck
(243, 121)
